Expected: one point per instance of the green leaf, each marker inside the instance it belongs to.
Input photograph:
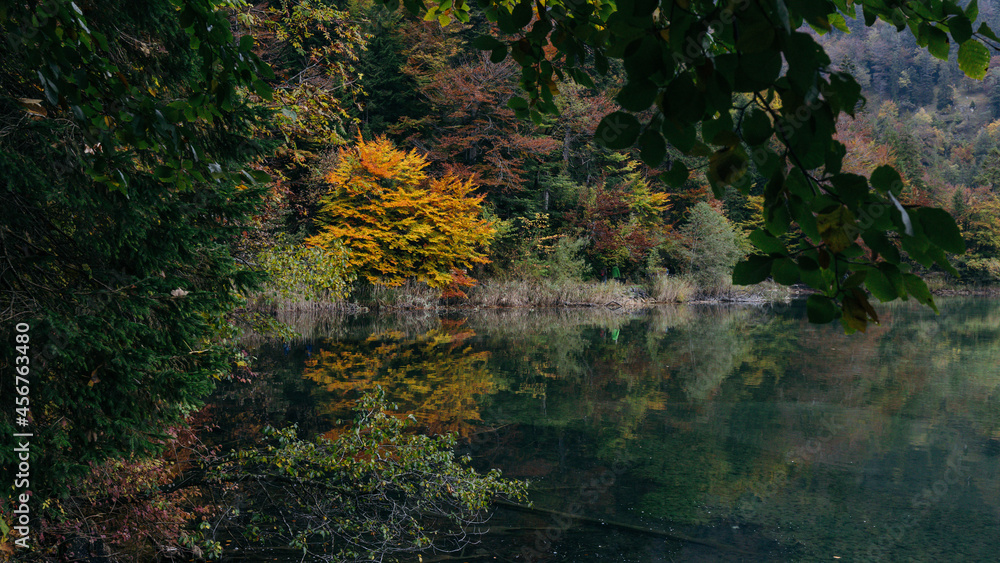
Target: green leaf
(654, 148)
(757, 71)
(838, 21)
(988, 33)
(617, 130)
(960, 27)
(972, 10)
(855, 279)
(886, 179)
(851, 188)
(517, 102)
(263, 89)
(486, 43)
(785, 272)
(521, 14)
(821, 309)
(756, 128)
(498, 54)
(677, 175)
(974, 59)
(637, 95)
(880, 243)
(879, 286)
(777, 220)
(754, 269)
(918, 289)
(937, 43)
(767, 243)
(940, 228)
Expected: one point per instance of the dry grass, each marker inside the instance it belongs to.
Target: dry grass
(529, 293)
(673, 289)
(410, 295)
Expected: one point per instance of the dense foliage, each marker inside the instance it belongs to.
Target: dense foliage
(124, 185)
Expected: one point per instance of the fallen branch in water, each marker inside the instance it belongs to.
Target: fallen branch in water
(620, 526)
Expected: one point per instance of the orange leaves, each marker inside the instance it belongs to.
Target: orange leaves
(398, 222)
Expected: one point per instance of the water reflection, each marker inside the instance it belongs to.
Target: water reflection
(749, 430)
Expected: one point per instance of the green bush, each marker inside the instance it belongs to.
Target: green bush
(710, 248)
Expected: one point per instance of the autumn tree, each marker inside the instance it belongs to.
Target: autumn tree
(623, 216)
(397, 221)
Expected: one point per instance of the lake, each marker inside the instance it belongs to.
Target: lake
(689, 433)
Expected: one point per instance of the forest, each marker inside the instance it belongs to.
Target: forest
(178, 172)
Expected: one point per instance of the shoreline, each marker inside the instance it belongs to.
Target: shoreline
(600, 295)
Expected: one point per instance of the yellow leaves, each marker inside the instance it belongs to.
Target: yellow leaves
(993, 128)
(727, 165)
(835, 226)
(858, 311)
(398, 222)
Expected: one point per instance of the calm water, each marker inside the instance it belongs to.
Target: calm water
(686, 434)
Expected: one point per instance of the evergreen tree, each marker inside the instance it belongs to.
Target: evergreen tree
(122, 188)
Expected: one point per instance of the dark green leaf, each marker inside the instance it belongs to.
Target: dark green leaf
(754, 269)
(498, 54)
(940, 228)
(637, 95)
(918, 289)
(937, 43)
(517, 102)
(262, 89)
(886, 179)
(879, 286)
(821, 309)
(521, 14)
(988, 33)
(961, 28)
(677, 175)
(851, 188)
(880, 243)
(486, 43)
(785, 272)
(756, 128)
(618, 130)
(654, 148)
(767, 243)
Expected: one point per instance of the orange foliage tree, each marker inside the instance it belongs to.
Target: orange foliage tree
(398, 222)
